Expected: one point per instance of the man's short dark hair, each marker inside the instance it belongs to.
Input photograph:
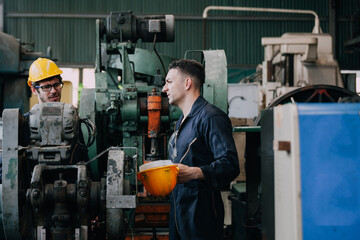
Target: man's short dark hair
(192, 68)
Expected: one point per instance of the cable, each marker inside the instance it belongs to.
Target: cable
(91, 128)
(157, 54)
(72, 153)
(132, 232)
(99, 155)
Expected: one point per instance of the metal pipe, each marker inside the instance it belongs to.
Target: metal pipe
(177, 17)
(316, 29)
(55, 15)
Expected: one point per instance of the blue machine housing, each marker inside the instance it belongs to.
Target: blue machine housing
(317, 171)
(330, 170)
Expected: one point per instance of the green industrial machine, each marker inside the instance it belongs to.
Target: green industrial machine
(128, 107)
(127, 76)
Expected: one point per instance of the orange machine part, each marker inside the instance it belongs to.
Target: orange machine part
(154, 115)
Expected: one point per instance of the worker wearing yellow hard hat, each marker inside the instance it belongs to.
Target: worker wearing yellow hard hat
(45, 80)
(46, 83)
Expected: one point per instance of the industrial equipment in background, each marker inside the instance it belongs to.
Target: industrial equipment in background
(276, 202)
(292, 61)
(297, 60)
(15, 60)
(48, 193)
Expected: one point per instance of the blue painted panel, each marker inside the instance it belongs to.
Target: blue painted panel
(330, 170)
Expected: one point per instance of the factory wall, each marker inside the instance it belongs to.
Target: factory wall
(69, 26)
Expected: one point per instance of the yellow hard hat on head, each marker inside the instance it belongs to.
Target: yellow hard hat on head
(41, 69)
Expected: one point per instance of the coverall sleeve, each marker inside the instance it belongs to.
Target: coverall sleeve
(224, 168)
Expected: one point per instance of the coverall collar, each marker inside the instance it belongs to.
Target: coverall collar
(199, 103)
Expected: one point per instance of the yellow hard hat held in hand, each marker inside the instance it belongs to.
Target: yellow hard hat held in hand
(41, 69)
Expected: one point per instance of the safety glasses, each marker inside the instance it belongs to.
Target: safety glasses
(48, 87)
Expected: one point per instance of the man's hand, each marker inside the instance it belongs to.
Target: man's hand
(187, 173)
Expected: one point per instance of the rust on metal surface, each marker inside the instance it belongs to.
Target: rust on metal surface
(154, 114)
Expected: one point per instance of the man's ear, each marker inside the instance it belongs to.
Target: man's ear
(188, 83)
(33, 89)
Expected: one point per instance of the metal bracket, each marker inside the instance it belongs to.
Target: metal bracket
(124, 201)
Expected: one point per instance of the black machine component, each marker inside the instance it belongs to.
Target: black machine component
(124, 26)
(267, 177)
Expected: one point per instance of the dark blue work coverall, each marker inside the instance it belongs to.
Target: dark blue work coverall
(203, 140)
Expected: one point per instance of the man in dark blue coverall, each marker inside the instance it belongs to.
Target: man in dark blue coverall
(203, 148)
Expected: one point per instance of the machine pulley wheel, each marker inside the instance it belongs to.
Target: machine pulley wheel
(311, 94)
(315, 93)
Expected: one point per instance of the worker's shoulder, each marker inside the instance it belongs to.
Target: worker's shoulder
(211, 110)
(203, 111)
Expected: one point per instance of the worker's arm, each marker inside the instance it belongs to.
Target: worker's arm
(187, 173)
(218, 137)
(225, 166)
